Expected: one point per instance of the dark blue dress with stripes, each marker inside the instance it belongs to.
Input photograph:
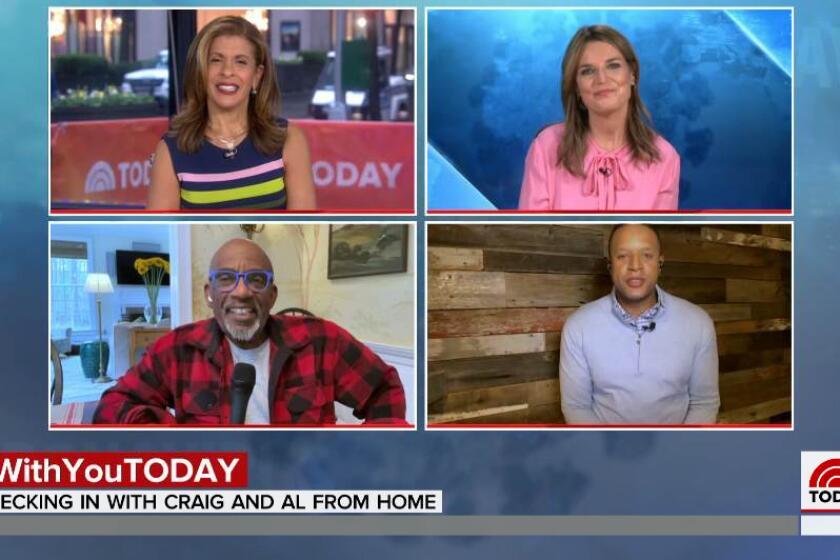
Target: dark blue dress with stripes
(209, 180)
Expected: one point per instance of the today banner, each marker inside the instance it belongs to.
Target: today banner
(355, 165)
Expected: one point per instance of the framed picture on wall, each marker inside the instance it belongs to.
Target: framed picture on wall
(367, 250)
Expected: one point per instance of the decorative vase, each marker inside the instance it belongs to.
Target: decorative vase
(153, 313)
(89, 354)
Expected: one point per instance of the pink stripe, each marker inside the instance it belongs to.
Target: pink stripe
(232, 175)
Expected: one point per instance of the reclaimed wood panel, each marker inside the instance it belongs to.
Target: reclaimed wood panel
(758, 291)
(756, 414)
(449, 417)
(717, 235)
(782, 231)
(493, 345)
(761, 311)
(475, 373)
(436, 389)
(738, 327)
(455, 258)
(534, 394)
(465, 290)
(518, 261)
(696, 290)
(754, 375)
(727, 311)
(747, 394)
(479, 322)
(736, 362)
(552, 290)
(535, 237)
(684, 244)
(544, 414)
(705, 270)
(752, 342)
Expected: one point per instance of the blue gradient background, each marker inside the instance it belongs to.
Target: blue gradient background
(717, 83)
(480, 473)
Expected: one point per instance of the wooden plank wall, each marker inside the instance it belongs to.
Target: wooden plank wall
(498, 295)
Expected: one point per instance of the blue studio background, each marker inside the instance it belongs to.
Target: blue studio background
(487, 473)
(717, 83)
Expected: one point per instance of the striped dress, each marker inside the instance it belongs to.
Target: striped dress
(210, 181)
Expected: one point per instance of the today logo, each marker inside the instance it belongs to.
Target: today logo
(101, 176)
(820, 481)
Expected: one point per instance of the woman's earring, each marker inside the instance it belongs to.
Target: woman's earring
(253, 91)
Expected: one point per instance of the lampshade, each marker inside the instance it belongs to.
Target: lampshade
(98, 283)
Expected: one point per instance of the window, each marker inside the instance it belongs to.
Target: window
(71, 306)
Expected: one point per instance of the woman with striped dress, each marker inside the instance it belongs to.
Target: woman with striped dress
(227, 150)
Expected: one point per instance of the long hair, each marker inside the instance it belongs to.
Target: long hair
(640, 134)
(190, 123)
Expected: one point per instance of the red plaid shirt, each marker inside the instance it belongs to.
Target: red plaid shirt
(312, 363)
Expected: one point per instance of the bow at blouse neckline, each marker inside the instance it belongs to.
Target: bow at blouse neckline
(605, 176)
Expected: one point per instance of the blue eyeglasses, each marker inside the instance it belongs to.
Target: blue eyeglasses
(225, 279)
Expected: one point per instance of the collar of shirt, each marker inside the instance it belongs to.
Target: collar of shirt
(283, 331)
(643, 321)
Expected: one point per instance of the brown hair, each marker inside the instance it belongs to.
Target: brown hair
(190, 123)
(640, 133)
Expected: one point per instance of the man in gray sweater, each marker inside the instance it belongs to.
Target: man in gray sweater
(638, 355)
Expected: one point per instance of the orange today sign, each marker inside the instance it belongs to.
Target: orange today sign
(355, 165)
(103, 162)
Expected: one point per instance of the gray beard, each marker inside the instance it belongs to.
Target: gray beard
(242, 334)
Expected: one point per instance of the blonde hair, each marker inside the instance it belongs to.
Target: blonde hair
(189, 125)
(640, 134)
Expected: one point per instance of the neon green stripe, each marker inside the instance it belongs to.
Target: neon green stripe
(236, 193)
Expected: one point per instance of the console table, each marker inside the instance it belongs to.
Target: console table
(131, 341)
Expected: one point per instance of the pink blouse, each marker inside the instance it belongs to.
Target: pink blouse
(612, 180)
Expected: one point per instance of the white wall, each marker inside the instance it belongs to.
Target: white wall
(374, 308)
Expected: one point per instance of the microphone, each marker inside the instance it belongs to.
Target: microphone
(244, 377)
(651, 327)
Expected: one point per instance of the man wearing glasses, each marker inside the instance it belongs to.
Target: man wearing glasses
(303, 364)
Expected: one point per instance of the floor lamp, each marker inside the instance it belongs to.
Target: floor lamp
(99, 283)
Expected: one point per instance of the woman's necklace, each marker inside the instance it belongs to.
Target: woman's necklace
(230, 143)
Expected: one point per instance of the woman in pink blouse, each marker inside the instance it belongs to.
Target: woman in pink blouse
(606, 156)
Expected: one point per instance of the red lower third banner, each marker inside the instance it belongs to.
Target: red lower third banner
(123, 470)
(355, 165)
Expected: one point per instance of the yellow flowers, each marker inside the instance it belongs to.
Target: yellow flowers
(142, 266)
(152, 271)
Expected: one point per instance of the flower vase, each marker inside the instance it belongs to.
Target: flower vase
(153, 313)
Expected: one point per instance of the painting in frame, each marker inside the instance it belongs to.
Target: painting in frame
(367, 250)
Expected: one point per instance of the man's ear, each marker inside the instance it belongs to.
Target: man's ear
(207, 293)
